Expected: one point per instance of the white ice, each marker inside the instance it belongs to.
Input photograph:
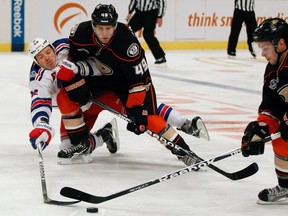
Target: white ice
(224, 92)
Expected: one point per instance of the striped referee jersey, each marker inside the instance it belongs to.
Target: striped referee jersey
(245, 5)
(148, 5)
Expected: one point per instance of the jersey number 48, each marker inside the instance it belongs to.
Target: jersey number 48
(141, 68)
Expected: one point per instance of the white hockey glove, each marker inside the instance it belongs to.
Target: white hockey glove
(41, 135)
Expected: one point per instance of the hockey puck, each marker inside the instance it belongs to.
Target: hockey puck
(92, 210)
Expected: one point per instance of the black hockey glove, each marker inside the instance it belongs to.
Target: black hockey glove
(251, 141)
(77, 90)
(139, 120)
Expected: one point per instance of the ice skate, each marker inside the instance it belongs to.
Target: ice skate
(273, 196)
(186, 159)
(110, 136)
(196, 128)
(76, 154)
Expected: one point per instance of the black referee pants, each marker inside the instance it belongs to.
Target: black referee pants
(147, 21)
(248, 17)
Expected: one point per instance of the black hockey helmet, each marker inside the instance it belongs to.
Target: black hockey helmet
(104, 15)
(271, 29)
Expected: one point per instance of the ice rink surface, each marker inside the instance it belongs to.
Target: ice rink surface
(224, 92)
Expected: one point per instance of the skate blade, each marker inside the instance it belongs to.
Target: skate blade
(203, 132)
(76, 159)
(282, 201)
(113, 122)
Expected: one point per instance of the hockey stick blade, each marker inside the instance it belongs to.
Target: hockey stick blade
(46, 199)
(80, 195)
(241, 174)
(60, 203)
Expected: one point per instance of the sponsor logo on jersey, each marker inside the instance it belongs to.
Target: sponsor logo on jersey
(133, 50)
(18, 18)
(67, 12)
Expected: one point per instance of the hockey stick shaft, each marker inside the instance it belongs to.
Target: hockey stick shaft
(246, 172)
(123, 116)
(46, 199)
(80, 195)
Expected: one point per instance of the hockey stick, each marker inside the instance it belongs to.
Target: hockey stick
(244, 173)
(46, 199)
(80, 195)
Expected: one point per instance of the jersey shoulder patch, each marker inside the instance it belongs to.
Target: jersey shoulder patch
(125, 45)
(33, 71)
(133, 50)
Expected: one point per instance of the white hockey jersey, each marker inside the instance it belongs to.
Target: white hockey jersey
(43, 86)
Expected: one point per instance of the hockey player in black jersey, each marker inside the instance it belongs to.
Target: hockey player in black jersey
(272, 39)
(116, 52)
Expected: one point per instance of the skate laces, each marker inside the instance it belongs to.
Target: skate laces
(196, 128)
(277, 192)
(78, 149)
(73, 149)
(189, 128)
(188, 160)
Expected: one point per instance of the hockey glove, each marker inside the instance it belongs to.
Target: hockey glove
(77, 90)
(67, 71)
(139, 120)
(251, 141)
(41, 135)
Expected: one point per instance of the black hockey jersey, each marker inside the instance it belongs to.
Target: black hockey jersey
(275, 90)
(121, 62)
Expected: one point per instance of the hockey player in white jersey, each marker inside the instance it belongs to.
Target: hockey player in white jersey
(43, 87)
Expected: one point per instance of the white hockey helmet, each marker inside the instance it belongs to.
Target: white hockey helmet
(37, 45)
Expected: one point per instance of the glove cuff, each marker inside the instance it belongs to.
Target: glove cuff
(137, 111)
(47, 128)
(75, 85)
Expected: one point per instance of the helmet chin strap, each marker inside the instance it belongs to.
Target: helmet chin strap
(280, 54)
